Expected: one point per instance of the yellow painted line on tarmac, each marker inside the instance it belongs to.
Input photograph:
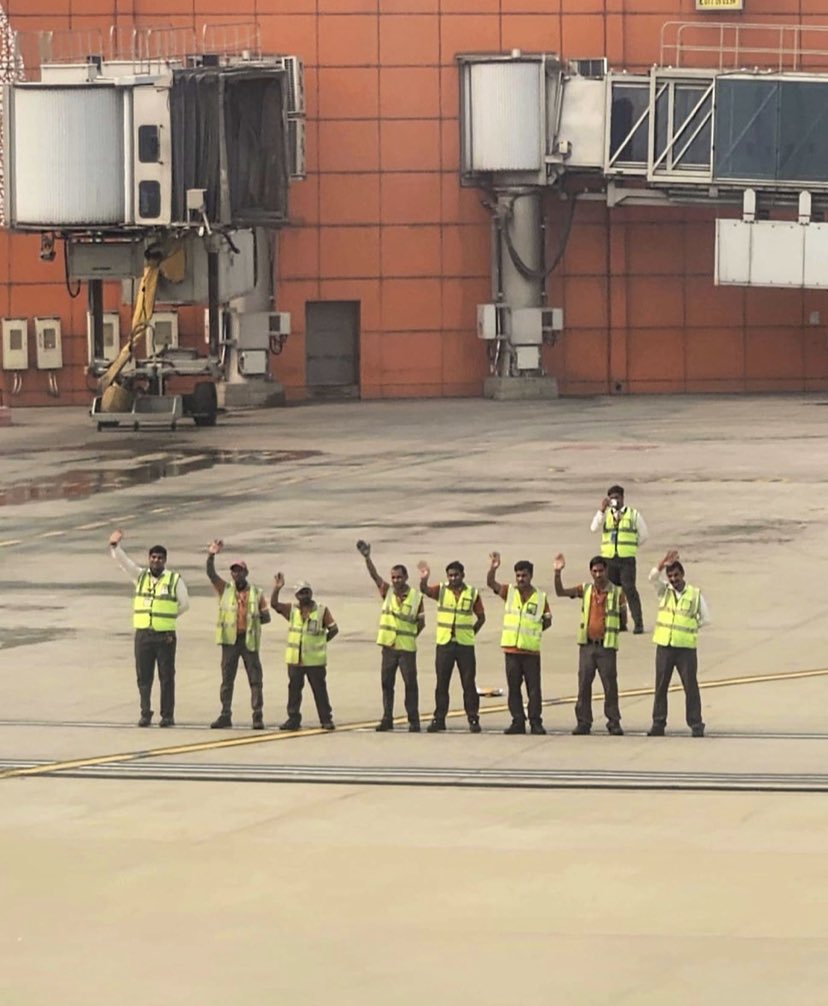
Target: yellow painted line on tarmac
(52, 534)
(271, 736)
(92, 527)
(11, 541)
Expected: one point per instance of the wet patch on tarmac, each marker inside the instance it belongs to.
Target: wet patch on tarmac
(134, 470)
(11, 639)
(778, 532)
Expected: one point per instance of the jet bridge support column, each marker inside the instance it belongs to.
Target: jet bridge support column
(519, 295)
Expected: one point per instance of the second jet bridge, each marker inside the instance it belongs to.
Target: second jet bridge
(738, 117)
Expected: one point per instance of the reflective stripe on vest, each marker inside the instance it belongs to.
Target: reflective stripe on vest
(523, 620)
(307, 643)
(612, 614)
(155, 605)
(678, 618)
(622, 539)
(455, 615)
(228, 617)
(398, 623)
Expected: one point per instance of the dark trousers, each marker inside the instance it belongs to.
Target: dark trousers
(230, 656)
(296, 682)
(594, 657)
(524, 668)
(446, 656)
(407, 664)
(153, 648)
(685, 661)
(622, 573)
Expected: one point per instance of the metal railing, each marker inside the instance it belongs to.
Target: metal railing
(738, 46)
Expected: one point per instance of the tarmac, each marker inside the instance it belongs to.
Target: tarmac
(200, 866)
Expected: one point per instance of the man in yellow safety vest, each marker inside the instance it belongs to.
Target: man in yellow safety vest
(160, 597)
(242, 613)
(460, 616)
(682, 611)
(402, 619)
(525, 618)
(311, 627)
(602, 609)
(622, 529)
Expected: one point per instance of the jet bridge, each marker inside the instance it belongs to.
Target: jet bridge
(732, 115)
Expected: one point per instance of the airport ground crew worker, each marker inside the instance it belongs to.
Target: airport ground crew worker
(402, 619)
(682, 611)
(460, 616)
(311, 626)
(242, 612)
(525, 618)
(623, 529)
(602, 607)
(160, 598)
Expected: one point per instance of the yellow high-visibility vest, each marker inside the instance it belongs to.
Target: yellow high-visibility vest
(307, 643)
(455, 615)
(155, 605)
(523, 620)
(612, 612)
(398, 622)
(620, 539)
(678, 618)
(228, 616)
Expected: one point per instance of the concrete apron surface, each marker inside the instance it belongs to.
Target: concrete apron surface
(192, 865)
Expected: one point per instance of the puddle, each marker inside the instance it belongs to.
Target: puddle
(12, 638)
(81, 482)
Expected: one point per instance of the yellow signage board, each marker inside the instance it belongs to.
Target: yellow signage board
(720, 5)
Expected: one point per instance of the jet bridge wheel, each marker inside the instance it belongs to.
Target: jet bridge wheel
(202, 404)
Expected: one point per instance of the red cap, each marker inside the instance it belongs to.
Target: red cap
(239, 564)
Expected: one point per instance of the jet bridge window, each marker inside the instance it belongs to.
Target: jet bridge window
(629, 124)
(683, 126)
(774, 130)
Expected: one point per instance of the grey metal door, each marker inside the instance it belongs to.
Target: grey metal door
(332, 347)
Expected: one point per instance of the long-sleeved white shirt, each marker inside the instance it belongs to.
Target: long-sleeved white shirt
(134, 571)
(643, 532)
(662, 586)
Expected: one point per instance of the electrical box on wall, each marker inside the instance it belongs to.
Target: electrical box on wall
(111, 336)
(163, 332)
(48, 343)
(15, 344)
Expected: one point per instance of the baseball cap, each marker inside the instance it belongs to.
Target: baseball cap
(239, 564)
(302, 585)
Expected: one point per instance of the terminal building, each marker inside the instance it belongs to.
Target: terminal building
(415, 198)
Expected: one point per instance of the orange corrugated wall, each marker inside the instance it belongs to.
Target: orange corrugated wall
(382, 219)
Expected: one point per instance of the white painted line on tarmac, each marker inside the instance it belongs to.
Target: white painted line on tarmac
(92, 527)
(11, 541)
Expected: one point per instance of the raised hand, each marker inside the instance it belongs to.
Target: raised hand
(560, 562)
(363, 548)
(278, 581)
(215, 546)
(116, 537)
(423, 569)
(494, 560)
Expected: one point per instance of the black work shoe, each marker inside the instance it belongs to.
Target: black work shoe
(384, 725)
(258, 723)
(698, 730)
(221, 722)
(167, 721)
(538, 729)
(615, 730)
(474, 726)
(436, 726)
(413, 728)
(515, 728)
(638, 630)
(656, 730)
(328, 725)
(145, 720)
(580, 729)
(290, 724)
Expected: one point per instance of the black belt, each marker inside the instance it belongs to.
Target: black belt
(596, 642)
